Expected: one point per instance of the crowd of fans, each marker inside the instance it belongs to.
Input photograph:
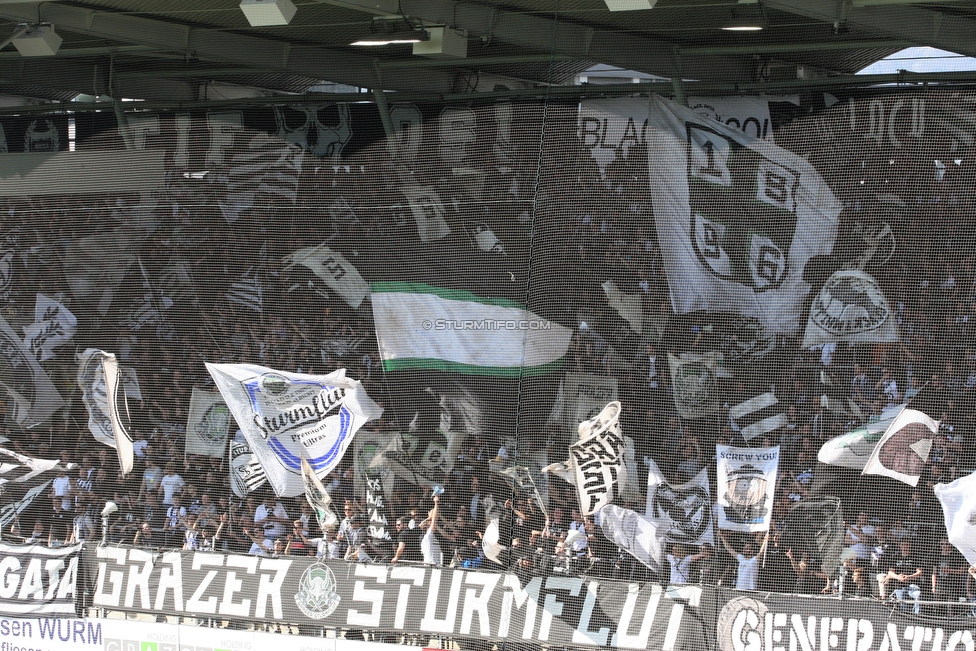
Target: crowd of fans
(599, 225)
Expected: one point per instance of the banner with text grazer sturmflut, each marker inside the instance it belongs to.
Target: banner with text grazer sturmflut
(286, 417)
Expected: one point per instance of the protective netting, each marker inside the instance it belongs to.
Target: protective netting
(715, 309)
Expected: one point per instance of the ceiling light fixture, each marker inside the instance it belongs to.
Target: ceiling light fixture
(629, 5)
(746, 17)
(268, 13)
(38, 41)
(394, 38)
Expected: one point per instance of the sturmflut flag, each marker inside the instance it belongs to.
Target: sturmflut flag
(759, 415)
(904, 449)
(334, 270)
(746, 487)
(53, 326)
(737, 217)
(684, 510)
(850, 307)
(958, 500)
(286, 417)
(207, 424)
(420, 326)
(852, 450)
(636, 534)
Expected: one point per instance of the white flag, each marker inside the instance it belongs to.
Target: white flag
(207, 424)
(597, 460)
(958, 501)
(318, 498)
(118, 412)
(286, 417)
(715, 190)
(850, 307)
(335, 271)
(684, 510)
(53, 326)
(904, 449)
(746, 487)
(634, 533)
(628, 306)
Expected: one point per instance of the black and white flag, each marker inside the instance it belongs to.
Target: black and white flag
(746, 485)
(684, 510)
(694, 380)
(33, 398)
(758, 416)
(428, 210)
(377, 511)
(332, 268)
(584, 396)
(247, 291)
(53, 326)
(22, 479)
(103, 393)
(269, 166)
(342, 347)
(246, 473)
(597, 460)
(713, 189)
(850, 307)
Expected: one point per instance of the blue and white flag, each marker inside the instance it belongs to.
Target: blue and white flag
(287, 417)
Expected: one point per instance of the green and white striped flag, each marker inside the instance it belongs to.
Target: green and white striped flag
(420, 326)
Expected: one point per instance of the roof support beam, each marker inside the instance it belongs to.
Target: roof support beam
(559, 36)
(214, 45)
(91, 78)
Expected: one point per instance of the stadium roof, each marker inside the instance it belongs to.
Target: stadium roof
(181, 51)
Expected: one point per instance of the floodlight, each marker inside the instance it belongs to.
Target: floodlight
(268, 13)
(746, 17)
(629, 5)
(38, 41)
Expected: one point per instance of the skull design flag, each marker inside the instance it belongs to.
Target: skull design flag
(746, 487)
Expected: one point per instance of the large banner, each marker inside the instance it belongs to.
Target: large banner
(37, 579)
(746, 487)
(737, 217)
(401, 599)
(286, 417)
(573, 611)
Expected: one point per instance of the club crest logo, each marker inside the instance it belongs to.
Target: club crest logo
(317, 596)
